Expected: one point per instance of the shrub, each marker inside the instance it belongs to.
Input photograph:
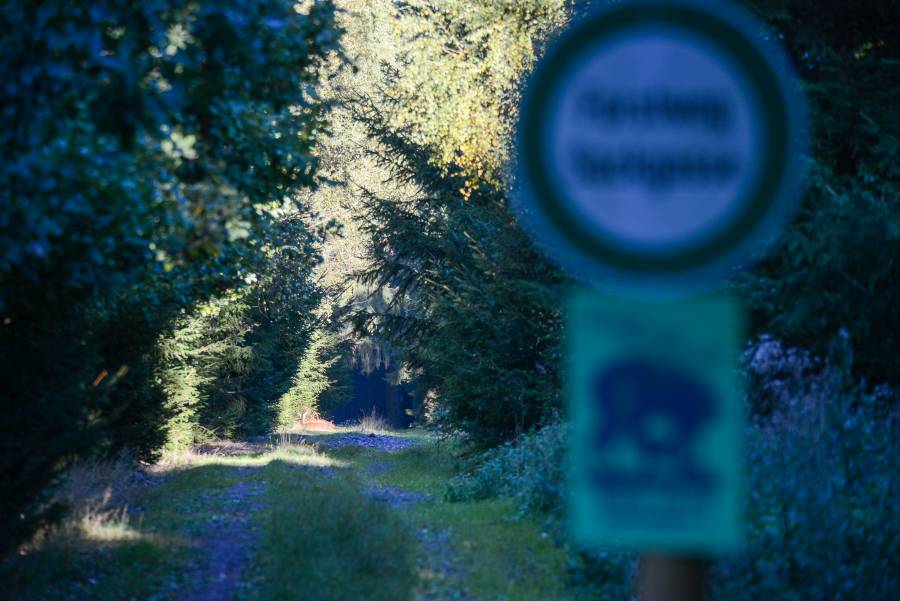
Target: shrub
(835, 266)
(823, 473)
(529, 470)
(822, 463)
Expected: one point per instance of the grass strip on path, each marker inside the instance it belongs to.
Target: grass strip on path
(324, 540)
(493, 555)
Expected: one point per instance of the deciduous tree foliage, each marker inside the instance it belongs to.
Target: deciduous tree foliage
(458, 76)
(142, 147)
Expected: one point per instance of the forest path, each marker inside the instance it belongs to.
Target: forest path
(224, 549)
(366, 460)
(344, 516)
(440, 573)
(226, 555)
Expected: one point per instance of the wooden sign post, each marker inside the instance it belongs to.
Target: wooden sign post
(670, 578)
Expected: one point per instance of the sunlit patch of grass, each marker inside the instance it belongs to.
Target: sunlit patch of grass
(111, 532)
(97, 494)
(93, 554)
(104, 552)
(295, 453)
(92, 529)
(108, 528)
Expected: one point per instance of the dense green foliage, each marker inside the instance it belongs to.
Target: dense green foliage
(836, 266)
(473, 309)
(170, 270)
(822, 470)
(236, 364)
(144, 148)
(472, 305)
(460, 293)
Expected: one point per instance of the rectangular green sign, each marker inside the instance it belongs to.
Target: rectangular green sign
(655, 456)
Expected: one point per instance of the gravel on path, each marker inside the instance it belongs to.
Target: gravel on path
(378, 442)
(227, 544)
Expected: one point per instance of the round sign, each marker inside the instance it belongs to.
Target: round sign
(659, 143)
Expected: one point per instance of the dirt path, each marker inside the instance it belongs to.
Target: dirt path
(232, 534)
(317, 517)
(437, 562)
(377, 442)
(229, 542)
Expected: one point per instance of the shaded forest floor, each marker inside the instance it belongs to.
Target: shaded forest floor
(341, 516)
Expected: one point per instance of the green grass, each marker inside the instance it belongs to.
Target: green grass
(129, 559)
(501, 557)
(323, 540)
(320, 537)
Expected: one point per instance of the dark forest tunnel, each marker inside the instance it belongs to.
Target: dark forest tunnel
(373, 390)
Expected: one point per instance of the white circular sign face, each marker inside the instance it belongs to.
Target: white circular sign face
(653, 137)
(657, 142)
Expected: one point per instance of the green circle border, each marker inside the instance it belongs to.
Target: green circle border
(770, 100)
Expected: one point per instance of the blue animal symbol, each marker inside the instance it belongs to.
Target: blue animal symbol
(658, 409)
